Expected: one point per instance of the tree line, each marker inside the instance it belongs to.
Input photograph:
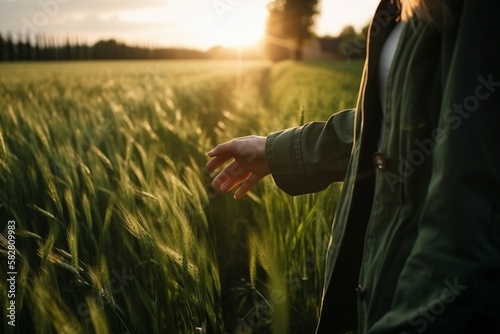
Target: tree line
(46, 48)
(349, 44)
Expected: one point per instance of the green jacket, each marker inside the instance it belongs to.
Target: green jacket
(415, 243)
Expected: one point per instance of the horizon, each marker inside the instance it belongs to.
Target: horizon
(193, 24)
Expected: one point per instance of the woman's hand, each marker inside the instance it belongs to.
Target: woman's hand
(247, 167)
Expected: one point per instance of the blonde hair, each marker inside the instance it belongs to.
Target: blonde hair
(435, 12)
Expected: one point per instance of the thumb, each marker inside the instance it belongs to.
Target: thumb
(220, 149)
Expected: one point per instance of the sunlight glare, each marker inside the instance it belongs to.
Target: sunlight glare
(239, 36)
(200, 22)
(237, 26)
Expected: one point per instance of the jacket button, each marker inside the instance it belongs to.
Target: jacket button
(379, 161)
(361, 292)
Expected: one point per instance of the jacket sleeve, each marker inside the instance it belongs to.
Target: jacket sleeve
(308, 158)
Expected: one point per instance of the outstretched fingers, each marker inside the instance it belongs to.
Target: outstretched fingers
(249, 183)
(232, 175)
(247, 167)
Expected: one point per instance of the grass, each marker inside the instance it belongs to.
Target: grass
(117, 228)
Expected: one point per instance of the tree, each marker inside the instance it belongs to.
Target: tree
(292, 20)
(105, 49)
(11, 48)
(276, 46)
(353, 44)
(2, 49)
(348, 32)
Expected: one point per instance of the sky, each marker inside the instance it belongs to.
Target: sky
(197, 24)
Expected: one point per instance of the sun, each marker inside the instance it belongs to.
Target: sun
(238, 26)
(200, 23)
(238, 35)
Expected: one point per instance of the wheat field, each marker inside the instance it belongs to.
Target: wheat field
(117, 229)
